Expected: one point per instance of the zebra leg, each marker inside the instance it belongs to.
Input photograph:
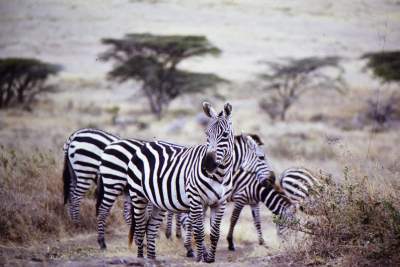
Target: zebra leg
(82, 186)
(235, 217)
(187, 225)
(153, 225)
(169, 224)
(104, 207)
(216, 216)
(196, 221)
(139, 216)
(255, 211)
(178, 230)
(127, 209)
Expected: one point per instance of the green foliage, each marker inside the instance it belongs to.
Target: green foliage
(385, 65)
(23, 78)
(153, 60)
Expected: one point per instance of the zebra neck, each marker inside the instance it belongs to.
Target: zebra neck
(273, 200)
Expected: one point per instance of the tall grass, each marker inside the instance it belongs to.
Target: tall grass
(31, 198)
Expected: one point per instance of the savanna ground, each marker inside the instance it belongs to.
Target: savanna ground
(322, 131)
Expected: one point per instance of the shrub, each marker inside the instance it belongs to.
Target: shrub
(354, 220)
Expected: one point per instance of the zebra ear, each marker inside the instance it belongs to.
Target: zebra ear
(257, 139)
(250, 141)
(208, 110)
(228, 109)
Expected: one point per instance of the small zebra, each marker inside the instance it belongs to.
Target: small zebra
(183, 180)
(297, 183)
(82, 152)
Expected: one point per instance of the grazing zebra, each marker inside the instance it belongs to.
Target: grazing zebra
(183, 179)
(249, 158)
(82, 152)
(297, 183)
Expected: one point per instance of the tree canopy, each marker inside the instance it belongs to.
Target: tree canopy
(385, 65)
(153, 60)
(23, 78)
(287, 81)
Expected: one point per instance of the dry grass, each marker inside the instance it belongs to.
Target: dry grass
(356, 223)
(31, 201)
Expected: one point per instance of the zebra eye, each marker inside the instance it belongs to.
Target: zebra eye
(225, 134)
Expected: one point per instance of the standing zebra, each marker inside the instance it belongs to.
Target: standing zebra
(297, 183)
(249, 158)
(82, 152)
(113, 179)
(183, 180)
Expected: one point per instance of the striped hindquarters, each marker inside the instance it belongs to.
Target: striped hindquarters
(83, 150)
(297, 183)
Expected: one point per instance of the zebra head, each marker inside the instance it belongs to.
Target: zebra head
(287, 217)
(220, 138)
(254, 160)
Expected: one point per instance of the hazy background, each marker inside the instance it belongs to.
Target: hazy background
(322, 130)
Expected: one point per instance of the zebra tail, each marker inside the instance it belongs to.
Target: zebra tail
(68, 177)
(99, 194)
(132, 228)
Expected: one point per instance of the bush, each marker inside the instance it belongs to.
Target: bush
(354, 221)
(31, 198)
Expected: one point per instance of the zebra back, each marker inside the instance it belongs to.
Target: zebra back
(297, 183)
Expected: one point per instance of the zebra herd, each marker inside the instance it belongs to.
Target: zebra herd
(158, 177)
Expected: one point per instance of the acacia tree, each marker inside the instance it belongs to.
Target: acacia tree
(287, 81)
(154, 59)
(21, 79)
(386, 67)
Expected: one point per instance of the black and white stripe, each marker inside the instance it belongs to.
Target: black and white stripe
(183, 180)
(82, 151)
(113, 179)
(253, 193)
(297, 183)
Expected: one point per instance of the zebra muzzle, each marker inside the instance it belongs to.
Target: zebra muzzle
(210, 163)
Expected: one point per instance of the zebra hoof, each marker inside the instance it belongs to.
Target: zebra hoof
(102, 244)
(209, 259)
(190, 254)
(178, 235)
(231, 247)
(168, 235)
(261, 242)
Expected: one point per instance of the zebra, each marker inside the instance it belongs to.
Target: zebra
(297, 183)
(183, 179)
(82, 152)
(113, 179)
(250, 159)
(113, 174)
